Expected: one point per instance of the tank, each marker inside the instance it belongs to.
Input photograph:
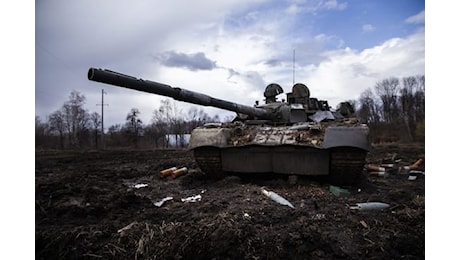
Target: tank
(298, 136)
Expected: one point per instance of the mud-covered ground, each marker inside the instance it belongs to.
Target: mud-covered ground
(87, 206)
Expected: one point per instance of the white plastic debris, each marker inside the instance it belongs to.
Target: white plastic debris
(272, 195)
(412, 177)
(160, 203)
(299, 127)
(192, 198)
(370, 206)
(375, 168)
(140, 185)
(378, 174)
(387, 165)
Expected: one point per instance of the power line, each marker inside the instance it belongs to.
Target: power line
(59, 60)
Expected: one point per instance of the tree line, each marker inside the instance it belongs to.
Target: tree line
(73, 127)
(394, 110)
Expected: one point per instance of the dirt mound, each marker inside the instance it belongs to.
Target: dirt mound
(100, 204)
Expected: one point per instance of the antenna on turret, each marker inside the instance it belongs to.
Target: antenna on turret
(293, 67)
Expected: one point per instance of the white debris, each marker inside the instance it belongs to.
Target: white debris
(412, 178)
(274, 196)
(160, 203)
(192, 198)
(370, 206)
(140, 185)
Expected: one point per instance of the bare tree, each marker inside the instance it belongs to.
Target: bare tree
(168, 118)
(57, 124)
(407, 102)
(159, 127)
(369, 110)
(96, 122)
(196, 118)
(114, 135)
(419, 104)
(134, 125)
(40, 131)
(154, 134)
(419, 99)
(387, 90)
(76, 118)
(399, 103)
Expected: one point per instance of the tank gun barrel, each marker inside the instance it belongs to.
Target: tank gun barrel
(126, 81)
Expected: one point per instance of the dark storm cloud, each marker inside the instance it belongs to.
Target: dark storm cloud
(273, 62)
(193, 62)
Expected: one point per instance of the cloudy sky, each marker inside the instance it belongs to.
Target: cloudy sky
(229, 49)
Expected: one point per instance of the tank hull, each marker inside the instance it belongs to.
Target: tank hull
(337, 151)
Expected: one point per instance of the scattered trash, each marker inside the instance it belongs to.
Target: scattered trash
(375, 168)
(179, 172)
(339, 192)
(246, 216)
(168, 171)
(416, 165)
(413, 166)
(403, 170)
(272, 195)
(370, 206)
(412, 177)
(414, 172)
(161, 202)
(378, 174)
(192, 198)
(140, 185)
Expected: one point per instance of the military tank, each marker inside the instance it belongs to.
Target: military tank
(298, 136)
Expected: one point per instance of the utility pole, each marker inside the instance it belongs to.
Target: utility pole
(102, 115)
(293, 67)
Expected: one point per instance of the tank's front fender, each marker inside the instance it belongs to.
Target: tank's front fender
(216, 137)
(351, 136)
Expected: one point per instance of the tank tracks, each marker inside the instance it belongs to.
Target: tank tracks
(208, 159)
(346, 164)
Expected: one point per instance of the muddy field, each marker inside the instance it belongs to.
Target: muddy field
(100, 205)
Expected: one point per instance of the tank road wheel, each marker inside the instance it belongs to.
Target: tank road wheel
(209, 160)
(347, 164)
